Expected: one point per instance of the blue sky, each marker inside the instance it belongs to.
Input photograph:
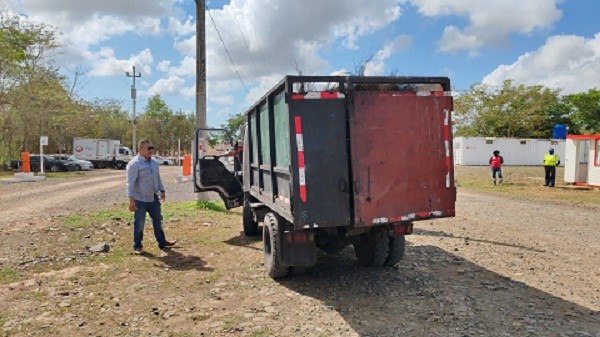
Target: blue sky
(550, 42)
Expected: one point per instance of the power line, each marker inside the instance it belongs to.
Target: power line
(227, 50)
(244, 38)
(262, 54)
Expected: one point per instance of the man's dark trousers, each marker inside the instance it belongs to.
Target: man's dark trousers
(550, 175)
(139, 218)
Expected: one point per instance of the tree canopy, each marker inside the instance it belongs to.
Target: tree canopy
(523, 111)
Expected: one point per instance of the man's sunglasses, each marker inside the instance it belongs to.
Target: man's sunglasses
(150, 148)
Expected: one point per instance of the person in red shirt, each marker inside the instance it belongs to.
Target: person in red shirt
(496, 162)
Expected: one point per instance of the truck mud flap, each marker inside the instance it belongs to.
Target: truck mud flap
(299, 249)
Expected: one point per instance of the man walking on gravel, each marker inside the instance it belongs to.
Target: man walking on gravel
(143, 189)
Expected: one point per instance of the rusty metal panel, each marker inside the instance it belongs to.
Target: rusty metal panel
(401, 157)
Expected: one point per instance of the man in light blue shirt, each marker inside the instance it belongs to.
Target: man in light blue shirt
(143, 189)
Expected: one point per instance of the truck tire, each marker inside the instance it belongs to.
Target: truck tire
(120, 165)
(54, 168)
(372, 248)
(250, 226)
(396, 252)
(272, 241)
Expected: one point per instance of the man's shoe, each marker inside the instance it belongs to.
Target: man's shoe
(138, 251)
(168, 244)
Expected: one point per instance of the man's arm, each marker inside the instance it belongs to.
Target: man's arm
(161, 187)
(132, 176)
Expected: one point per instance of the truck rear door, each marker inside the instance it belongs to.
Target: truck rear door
(320, 160)
(401, 154)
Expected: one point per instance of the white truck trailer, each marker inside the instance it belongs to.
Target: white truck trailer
(102, 152)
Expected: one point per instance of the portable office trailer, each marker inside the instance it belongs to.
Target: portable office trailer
(582, 160)
(517, 152)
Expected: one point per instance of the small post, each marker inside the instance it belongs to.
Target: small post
(43, 141)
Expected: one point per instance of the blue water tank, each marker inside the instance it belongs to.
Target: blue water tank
(559, 131)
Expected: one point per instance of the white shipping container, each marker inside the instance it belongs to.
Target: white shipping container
(516, 152)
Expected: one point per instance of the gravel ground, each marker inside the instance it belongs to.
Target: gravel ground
(28, 204)
(505, 266)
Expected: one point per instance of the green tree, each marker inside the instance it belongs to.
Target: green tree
(585, 111)
(512, 111)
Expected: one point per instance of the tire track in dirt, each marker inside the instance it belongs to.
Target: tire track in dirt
(18, 213)
(10, 192)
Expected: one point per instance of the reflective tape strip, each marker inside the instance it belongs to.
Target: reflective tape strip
(319, 95)
(301, 162)
(448, 160)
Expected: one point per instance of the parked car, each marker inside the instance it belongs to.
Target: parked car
(50, 164)
(80, 165)
(163, 160)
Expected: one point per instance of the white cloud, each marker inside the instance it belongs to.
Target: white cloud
(490, 22)
(182, 27)
(105, 63)
(173, 86)
(377, 65)
(222, 100)
(276, 42)
(187, 67)
(569, 62)
(187, 46)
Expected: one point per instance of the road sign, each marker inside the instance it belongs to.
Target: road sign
(44, 140)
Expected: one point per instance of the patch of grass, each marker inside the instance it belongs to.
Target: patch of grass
(3, 320)
(75, 221)
(115, 256)
(215, 206)
(63, 175)
(522, 181)
(262, 332)
(8, 275)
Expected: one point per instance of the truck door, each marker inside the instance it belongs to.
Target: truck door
(319, 155)
(401, 147)
(212, 175)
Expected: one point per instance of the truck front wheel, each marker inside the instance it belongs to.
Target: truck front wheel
(372, 248)
(250, 226)
(272, 242)
(120, 165)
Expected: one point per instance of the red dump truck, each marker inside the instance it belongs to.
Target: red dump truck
(331, 161)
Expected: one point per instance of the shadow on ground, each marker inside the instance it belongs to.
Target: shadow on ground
(175, 260)
(435, 293)
(424, 232)
(245, 241)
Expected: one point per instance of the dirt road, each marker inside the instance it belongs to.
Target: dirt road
(503, 267)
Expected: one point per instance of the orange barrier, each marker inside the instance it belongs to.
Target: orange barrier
(26, 162)
(187, 165)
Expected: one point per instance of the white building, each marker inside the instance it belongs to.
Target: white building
(582, 160)
(521, 152)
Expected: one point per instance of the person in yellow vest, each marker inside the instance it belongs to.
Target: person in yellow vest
(551, 161)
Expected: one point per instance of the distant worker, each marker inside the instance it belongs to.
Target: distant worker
(144, 187)
(551, 161)
(496, 162)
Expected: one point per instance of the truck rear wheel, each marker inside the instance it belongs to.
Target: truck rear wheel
(372, 248)
(272, 242)
(250, 226)
(396, 252)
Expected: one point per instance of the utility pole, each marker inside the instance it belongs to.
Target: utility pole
(133, 98)
(200, 80)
